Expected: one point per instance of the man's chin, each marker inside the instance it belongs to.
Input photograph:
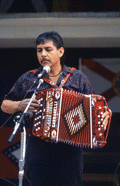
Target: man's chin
(44, 63)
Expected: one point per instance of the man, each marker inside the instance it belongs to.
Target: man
(55, 164)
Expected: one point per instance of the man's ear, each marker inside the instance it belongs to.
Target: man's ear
(61, 51)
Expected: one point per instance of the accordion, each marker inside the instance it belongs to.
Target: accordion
(70, 117)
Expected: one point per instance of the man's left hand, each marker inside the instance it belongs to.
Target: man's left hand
(107, 114)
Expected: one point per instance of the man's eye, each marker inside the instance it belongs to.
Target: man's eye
(48, 50)
(39, 50)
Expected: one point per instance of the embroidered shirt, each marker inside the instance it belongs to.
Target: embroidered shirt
(78, 82)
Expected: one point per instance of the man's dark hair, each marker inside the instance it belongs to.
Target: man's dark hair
(50, 36)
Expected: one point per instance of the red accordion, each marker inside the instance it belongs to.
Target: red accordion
(71, 117)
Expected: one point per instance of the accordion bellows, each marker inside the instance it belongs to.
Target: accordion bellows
(71, 117)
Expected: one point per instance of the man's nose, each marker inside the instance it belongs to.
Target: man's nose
(43, 52)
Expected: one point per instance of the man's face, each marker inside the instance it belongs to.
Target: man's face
(48, 54)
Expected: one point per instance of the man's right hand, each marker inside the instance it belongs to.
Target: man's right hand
(34, 106)
(11, 107)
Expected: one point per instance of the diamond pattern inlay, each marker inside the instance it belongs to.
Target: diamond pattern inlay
(75, 119)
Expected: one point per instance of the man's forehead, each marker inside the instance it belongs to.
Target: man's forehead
(47, 43)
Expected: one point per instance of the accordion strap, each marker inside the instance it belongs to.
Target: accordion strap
(49, 81)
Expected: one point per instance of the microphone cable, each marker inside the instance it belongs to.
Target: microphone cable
(115, 174)
(8, 181)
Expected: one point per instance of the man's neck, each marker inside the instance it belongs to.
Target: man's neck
(55, 71)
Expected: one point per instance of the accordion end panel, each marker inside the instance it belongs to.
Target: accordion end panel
(99, 133)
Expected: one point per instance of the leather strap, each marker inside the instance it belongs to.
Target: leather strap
(49, 81)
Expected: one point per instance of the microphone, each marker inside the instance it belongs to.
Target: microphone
(46, 69)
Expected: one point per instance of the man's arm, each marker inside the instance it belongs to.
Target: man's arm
(11, 107)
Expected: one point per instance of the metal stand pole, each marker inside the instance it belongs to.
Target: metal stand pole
(20, 121)
(22, 156)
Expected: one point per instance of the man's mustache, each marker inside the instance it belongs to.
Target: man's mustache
(45, 59)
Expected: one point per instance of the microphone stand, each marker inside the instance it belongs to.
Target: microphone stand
(20, 121)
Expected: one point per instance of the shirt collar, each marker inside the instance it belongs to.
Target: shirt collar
(65, 70)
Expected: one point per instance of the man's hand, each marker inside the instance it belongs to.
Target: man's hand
(107, 114)
(11, 107)
(34, 106)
